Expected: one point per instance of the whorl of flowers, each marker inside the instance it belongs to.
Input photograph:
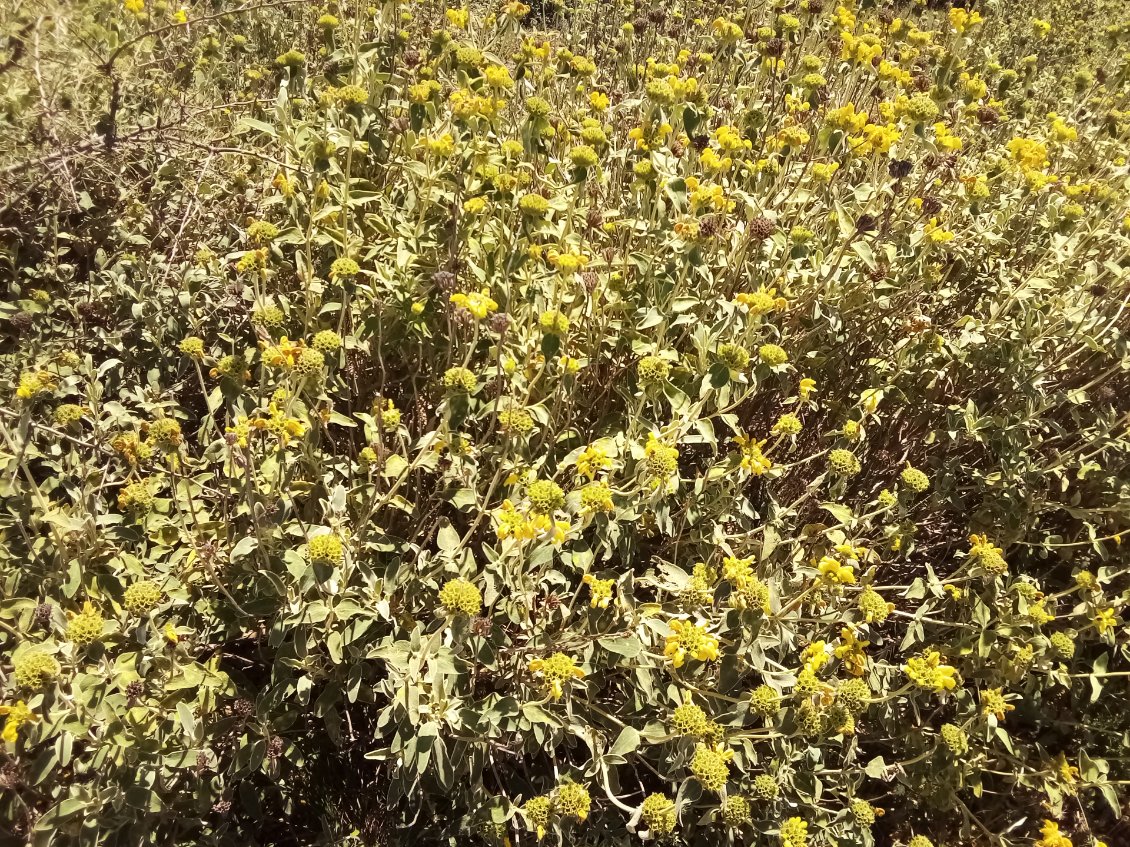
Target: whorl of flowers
(86, 626)
(35, 669)
(658, 813)
(762, 365)
(325, 549)
(142, 597)
(461, 597)
(555, 671)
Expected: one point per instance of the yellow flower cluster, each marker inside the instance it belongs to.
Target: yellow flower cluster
(753, 460)
(37, 384)
(834, 572)
(555, 671)
(85, 627)
(661, 462)
(15, 717)
(600, 591)
(527, 524)
(461, 597)
(1050, 836)
(35, 669)
(987, 555)
(928, 671)
(711, 766)
(749, 591)
(689, 640)
(479, 303)
(325, 549)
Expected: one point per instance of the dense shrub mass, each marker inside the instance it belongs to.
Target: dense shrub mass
(589, 423)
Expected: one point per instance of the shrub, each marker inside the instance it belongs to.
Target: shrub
(576, 423)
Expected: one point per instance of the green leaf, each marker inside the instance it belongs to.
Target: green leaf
(63, 811)
(627, 646)
(243, 547)
(627, 741)
(1111, 797)
(719, 374)
(535, 714)
(143, 798)
(187, 720)
(246, 124)
(43, 766)
(876, 768)
(447, 538)
(841, 513)
(464, 498)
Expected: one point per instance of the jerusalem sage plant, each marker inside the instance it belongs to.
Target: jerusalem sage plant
(675, 423)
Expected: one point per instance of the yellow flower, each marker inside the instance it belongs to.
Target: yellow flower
(537, 811)
(835, 573)
(928, 671)
(567, 263)
(568, 364)
(601, 590)
(762, 301)
(823, 172)
(846, 118)
(85, 627)
(987, 555)
(962, 19)
(572, 800)
(690, 640)
(442, 146)
(458, 18)
(993, 703)
(424, 91)
(498, 76)
(1062, 130)
(35, 383)
(730, 139)
(560, 530)
(710, 766)
(592, 461)
(460, 596)
(241, 430)
(1028, 153)
(749, 591)
(850, 651)
(555, 672)
(15, 717)
(1066, 772)
(945, 138)
(935, 234)
(479, 304)
(1039, 613)
(513, 524)
(1106, 620)
(806, 387)
(661, 461)
(597, 497)
(1051, 836)
(956, 593)
(753, 459)
(171, 634)
(815, 656)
